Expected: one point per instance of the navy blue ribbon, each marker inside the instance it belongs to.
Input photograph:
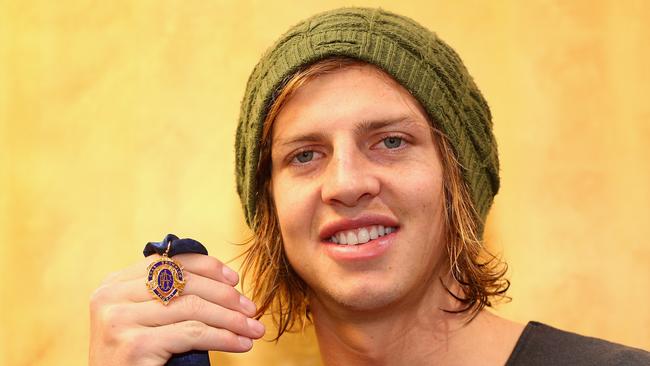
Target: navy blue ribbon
(180, 246)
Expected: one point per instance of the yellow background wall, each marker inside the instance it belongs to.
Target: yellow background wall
(117, 121)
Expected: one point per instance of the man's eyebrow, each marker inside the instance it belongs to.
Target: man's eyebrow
(309, 137)
(366, 126)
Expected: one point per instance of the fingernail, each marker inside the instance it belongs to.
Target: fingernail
(245, 342)
(255, 326)
(247, 304)
(230, 275)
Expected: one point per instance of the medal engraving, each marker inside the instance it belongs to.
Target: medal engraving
(165, 279)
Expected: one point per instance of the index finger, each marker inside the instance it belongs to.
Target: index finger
(200, 264)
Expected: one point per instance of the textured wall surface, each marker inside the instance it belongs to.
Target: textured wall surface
(117, 122)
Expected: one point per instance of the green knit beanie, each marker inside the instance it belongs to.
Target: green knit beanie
(414, 56)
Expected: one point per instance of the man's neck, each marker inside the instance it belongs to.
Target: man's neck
(414, 333)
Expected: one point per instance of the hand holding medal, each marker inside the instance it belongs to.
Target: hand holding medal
(165, 280)
(170, 309)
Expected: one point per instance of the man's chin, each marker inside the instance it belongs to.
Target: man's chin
(365, 299)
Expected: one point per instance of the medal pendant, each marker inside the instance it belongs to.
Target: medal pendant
(165, 279)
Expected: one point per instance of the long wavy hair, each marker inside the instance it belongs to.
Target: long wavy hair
(280, 292)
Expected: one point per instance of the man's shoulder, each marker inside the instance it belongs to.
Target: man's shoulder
(541, 344)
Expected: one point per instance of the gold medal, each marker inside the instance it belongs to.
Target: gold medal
(165, 278)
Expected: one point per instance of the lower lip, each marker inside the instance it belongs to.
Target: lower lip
(359, 252)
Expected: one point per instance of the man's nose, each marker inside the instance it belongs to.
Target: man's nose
(348, 178)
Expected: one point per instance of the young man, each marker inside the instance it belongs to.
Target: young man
(366, 166)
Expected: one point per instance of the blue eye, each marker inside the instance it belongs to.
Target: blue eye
(392, 142)
(305, 156)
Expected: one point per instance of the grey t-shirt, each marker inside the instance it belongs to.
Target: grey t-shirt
(541, 344)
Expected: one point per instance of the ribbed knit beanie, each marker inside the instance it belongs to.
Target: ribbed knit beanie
(414, 56)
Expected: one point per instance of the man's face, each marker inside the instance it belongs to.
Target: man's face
(353, 156)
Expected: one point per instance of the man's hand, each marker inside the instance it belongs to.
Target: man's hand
(129, 327)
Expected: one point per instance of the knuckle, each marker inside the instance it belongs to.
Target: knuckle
(230, 296)
(225, 340)
(131, 344)
(238, 322)
(194, 304)
(194, 329)
(98, 298)
(114, 336)
(230, 342)
(209, 265)
(112, 331)
(104, 292)
(111, 316)
(101, 296)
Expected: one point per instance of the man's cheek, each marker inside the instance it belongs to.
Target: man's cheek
(292, 208)
(303, 195)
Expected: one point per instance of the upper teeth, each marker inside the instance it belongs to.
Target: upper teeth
(361, 235)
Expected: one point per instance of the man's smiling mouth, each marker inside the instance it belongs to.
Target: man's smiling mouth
(361, 235)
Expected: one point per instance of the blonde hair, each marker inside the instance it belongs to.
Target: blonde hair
(278, 289)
